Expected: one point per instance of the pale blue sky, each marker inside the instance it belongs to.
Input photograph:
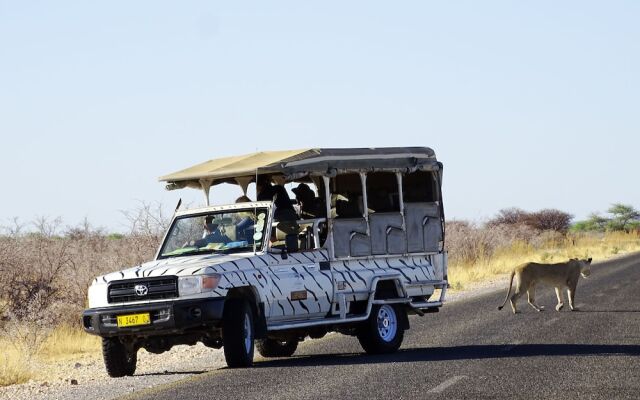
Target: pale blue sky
(529, 104)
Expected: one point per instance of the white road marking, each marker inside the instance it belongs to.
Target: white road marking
(551, 321)
(599, 294)
(449, 382)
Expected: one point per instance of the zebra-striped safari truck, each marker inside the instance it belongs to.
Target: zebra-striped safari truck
(359, 250)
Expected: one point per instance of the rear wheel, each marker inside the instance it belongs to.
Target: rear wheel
(118, 359)
(238, 333)
(276, 348)
(382, 332)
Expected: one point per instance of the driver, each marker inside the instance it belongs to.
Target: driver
(212, 234)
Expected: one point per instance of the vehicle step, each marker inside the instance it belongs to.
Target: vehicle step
(324, 321)
(437, 283)
(392, 301)
(426, 304)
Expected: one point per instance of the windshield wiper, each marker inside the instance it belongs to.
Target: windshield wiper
(192, 253)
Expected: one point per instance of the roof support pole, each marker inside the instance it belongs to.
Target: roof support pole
(401, 200)
(365, 201)
(244, 181)
(206, 187)
(327, 200)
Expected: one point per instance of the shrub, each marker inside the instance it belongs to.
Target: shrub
(509, 216)
(468, 243)
(550, 220)
(543, 220)
(45, 271)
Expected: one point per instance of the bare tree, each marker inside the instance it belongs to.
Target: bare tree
(509, 216)
(550, 220)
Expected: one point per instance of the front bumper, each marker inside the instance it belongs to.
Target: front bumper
(173, 317)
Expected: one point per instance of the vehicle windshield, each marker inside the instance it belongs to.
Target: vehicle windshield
(218, 231)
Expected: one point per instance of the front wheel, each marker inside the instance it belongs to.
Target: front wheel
(382, 332)
(276, 348)
(119, 360)
(238, 333)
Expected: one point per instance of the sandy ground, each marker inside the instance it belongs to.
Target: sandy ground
(84, 377)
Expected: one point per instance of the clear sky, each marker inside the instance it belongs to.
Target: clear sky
(530, 104)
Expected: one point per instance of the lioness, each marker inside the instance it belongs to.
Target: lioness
(559, 275)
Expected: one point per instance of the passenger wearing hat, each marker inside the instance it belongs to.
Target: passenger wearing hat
(284, 212)
(309, 204)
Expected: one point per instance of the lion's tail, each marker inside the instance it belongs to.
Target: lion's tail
(508, 291)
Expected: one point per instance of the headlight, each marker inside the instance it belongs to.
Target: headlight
(197, 284)
(97, 295)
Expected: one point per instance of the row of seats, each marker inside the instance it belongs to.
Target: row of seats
(423, 232)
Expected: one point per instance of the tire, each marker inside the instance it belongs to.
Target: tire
(383, 331)
(238, 333)
(118, 360)
(276, 348)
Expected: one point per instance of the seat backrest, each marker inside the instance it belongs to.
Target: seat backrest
(344, 244)
(424, 230)
(383, 239)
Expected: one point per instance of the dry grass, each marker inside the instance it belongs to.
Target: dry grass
(45, 270)
(14, 368)
(67, 342)
(63, 343)
(502, 260)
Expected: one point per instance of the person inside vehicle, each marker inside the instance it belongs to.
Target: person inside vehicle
(244, 227)
(278, 194)
(284, 215)
(274, 243)
(243, 199)
(212, 234)
(309, 203)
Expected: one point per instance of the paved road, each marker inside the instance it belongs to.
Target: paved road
(469, 350)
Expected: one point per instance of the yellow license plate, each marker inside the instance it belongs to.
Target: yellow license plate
(134, 320)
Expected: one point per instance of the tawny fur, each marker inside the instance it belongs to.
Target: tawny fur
(559, 275)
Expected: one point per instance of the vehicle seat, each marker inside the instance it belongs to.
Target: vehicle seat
(350, 237)
(424, 230)
(387, 236)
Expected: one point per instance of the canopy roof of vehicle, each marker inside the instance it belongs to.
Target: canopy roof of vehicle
(299, 163)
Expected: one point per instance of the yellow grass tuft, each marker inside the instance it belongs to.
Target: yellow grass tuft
(14, 367)
(66, 342)
(598, 246)
(63, 343)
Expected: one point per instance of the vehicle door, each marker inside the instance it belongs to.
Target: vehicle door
(302, 284)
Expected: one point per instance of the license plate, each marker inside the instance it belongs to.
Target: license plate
(134, 320)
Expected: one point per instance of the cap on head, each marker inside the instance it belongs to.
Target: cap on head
(303, 190)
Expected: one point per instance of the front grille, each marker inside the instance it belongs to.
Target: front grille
(165, 287)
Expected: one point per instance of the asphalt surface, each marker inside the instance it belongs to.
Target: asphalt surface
(469, 350)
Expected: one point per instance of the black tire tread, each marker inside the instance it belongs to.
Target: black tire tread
(276, 348)
(117, 360)
(233, 335)
(370, 340)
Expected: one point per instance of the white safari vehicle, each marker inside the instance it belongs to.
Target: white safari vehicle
(361, 249)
